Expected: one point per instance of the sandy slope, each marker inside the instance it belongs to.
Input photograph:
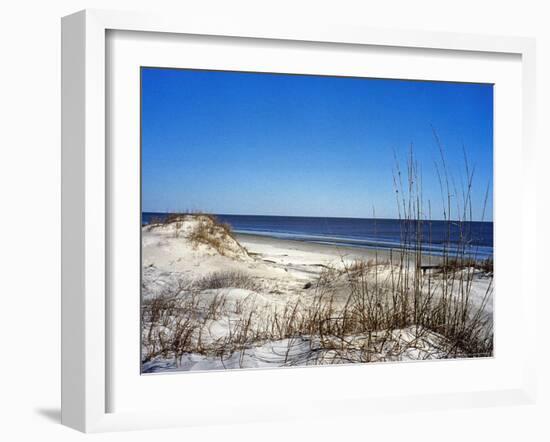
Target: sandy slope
(283, 266)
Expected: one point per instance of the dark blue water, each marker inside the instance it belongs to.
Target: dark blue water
(436, 237)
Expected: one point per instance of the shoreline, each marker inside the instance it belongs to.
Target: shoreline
(355, 235)
(268, 245)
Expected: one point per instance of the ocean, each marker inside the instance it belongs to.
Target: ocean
(436, 237)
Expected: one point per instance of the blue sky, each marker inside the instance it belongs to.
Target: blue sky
(275, 144)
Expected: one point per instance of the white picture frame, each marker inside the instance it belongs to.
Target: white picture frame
(85, 207)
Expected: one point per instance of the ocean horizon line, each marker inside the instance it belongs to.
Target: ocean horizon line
(309, 216)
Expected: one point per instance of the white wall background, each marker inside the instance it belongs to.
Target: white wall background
(30, 220)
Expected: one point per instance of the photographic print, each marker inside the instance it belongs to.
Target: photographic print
(299, 220)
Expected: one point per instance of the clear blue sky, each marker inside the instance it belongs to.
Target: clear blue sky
(273, 144)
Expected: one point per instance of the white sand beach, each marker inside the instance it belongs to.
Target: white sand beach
(217, 300)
